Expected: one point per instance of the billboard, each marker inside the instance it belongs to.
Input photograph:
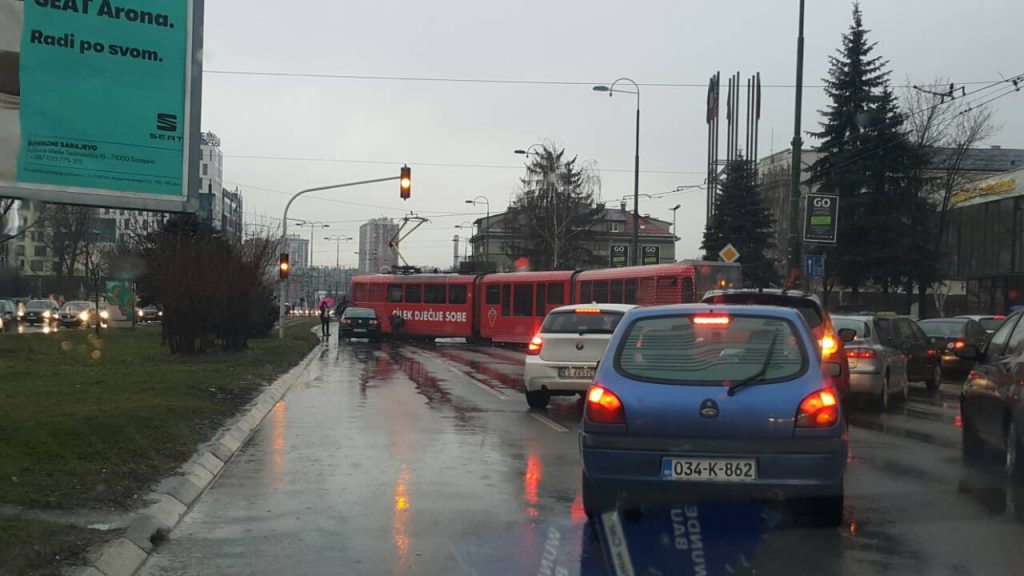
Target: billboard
(650, 255)
(618, 255)
(100, 102)
(821, 218)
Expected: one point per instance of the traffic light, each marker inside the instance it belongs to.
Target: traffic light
(405, 183)
(283, 266)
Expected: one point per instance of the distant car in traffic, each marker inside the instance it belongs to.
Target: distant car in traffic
(990, 323)
(8, 315)
(562, 358)
(150, 313)
(41, 312)
(699, 401)
(990, 406)
(877, 368)
(77, 313)
(359, 323)
(951, 334)
(829, 342)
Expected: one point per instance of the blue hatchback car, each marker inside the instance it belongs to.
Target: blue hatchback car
(700, 402)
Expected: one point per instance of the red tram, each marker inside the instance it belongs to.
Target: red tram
(510, 307)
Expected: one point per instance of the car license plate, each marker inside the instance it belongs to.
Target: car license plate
(576, 372)
(359, 330)
(709, 469)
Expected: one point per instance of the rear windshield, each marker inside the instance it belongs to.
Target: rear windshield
(579, 322)
(808, 308)
(943, 329)
(359, 313)
(674, 350)
(991, 324)
(863, 329)
(74, 307)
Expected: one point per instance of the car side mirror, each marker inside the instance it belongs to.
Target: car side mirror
(834, 369)
(847, 334)
(969, 352)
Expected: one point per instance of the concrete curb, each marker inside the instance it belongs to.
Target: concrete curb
(175, 495)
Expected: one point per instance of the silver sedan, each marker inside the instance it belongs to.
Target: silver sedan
(877, 368)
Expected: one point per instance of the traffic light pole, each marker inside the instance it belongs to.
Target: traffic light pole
(284, 233)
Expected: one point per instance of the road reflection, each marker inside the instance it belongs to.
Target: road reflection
(400, 519)
(988, 485)
(531, 482)
(277, 444)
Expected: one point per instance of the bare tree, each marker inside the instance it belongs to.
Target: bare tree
(944, 125)
(68, 231)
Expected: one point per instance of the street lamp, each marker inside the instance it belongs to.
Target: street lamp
(487, 228)
(636, 163)
(527, 152)
(338, 239)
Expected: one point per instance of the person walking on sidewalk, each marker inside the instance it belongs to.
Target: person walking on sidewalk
(325, 320)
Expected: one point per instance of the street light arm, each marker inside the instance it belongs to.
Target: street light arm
(611, 89)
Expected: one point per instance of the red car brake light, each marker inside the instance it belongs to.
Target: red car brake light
(712, 320)
(536, 343)
(604, 407)
(860, 354)
(829, 345)
(587, 311)
(346, 321)
(818, 410)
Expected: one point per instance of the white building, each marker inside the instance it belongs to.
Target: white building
(375, 251)
(218, 206)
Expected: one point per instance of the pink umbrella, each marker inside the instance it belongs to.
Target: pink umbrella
(326, 300)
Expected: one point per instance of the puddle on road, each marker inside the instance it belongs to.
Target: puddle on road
(430, 387)
(507, 380)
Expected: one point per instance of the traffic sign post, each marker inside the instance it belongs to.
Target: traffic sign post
(814, 266)
(729, 253)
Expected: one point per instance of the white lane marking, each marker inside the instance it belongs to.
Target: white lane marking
(549, 423)
(479, 385)
(616, 538)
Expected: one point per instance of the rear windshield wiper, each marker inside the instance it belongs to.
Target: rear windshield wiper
(761, 371)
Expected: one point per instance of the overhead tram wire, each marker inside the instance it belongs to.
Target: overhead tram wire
(468, 80)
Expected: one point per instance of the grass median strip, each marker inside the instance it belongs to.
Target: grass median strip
(92, 421)
(38, 547)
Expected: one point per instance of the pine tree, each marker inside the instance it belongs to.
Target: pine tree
(741, 220)
(551, 221)
(867, 159)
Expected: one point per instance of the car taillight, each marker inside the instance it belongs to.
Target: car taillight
(536, 343)
(933, 351)
(604, 407)
(818, 410)
(373, 322)
(829, 346)
(346, 321)
(712, 320)
(860, 354)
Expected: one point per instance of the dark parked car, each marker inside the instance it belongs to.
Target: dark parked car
(359, 323)
(903, 334)
(41, 312)
(950, 335)
(809, 306)
(990, 407)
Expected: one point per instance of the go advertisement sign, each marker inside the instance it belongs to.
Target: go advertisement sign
(99, 101)
(618, 255)
(821, 218)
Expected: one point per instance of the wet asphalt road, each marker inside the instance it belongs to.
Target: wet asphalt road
(403, 459)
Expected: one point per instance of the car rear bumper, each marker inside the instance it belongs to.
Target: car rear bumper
(356, 333)
(540, 375)
(785, 468)
(865, 383)
(955, 365)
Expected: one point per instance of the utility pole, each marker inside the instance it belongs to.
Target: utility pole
(794, 190)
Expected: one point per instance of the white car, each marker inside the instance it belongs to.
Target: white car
(562, 357)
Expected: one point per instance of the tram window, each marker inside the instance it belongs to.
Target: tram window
(586, 292)
(616, 292)
(556, 294)
(506, 299)
(688, 296)
(601, 292)
(456, 294)
(493, 295)
(433, 294)
(413, 294)
(542, 298)
(630, 291)
(394, 292)
(523, 300)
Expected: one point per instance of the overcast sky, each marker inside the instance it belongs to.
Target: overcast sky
(376, 125)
